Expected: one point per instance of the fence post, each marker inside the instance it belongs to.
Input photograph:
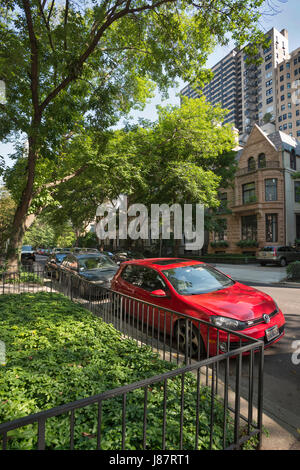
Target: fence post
(260, 394)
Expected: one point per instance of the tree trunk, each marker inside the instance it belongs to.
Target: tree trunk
(21, 219)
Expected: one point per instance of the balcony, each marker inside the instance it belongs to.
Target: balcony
(268, 165)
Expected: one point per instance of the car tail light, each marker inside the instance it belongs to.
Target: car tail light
(274, 253)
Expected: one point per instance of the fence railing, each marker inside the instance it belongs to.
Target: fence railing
(227, 365)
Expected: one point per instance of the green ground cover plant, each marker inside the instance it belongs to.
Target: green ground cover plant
(58, 352)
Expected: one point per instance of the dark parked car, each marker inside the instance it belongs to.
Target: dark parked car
(53, 263)
(126, 255)
(27, 254)
(96, 268)
(281, 255)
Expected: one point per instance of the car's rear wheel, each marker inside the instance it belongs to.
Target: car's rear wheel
(262, 263)
(186, 334)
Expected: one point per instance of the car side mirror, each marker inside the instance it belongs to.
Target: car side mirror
(158, 293)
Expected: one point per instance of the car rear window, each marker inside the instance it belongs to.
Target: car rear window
(268, 248)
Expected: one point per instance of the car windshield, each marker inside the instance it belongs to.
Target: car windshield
(197, 279)
(97, 262)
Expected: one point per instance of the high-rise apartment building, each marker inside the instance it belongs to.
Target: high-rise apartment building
(288, 95)
(248, 91)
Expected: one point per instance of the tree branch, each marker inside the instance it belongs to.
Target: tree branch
(47, 25)
(65, 24)
(56, 183)
(34, 75)
(112, 18)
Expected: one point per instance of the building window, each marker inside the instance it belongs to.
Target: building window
(293, 160)
(251, 164)
(297, 191)
(249, 195)
(288, 75)
(249, 227)
(269, 91)
(284, 117)
(281, 68)
(282, 78)
(261, 160)
(281, 87)
(223, 202)
(288, 85)
(221, 234)
(271, 189)
(271, 228)
(269, 100)
(282, 98)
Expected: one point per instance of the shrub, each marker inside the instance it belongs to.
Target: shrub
(247, 243)
(219, 244)
(293, 270)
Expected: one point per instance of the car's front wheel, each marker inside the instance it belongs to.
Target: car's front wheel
(188, 338)
(283, 262)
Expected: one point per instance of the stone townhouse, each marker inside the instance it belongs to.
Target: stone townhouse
(263, 206)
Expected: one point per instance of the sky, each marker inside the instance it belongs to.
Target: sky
(286, 16)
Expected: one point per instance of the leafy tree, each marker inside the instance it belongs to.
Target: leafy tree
(183, 158)
(40, 234)
(73, 65)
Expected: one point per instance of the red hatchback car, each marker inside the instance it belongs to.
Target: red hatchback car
(197, 289)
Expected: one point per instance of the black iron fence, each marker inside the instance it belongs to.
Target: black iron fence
(222, 367)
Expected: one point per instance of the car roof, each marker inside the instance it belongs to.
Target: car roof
(163, 263)
(86, 255)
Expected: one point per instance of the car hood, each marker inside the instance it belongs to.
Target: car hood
(95, 275)
(238, 301)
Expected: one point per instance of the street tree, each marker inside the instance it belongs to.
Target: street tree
(71, 65)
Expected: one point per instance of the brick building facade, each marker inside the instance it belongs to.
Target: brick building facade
(262, 207)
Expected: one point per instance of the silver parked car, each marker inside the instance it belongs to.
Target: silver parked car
(281, 255)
